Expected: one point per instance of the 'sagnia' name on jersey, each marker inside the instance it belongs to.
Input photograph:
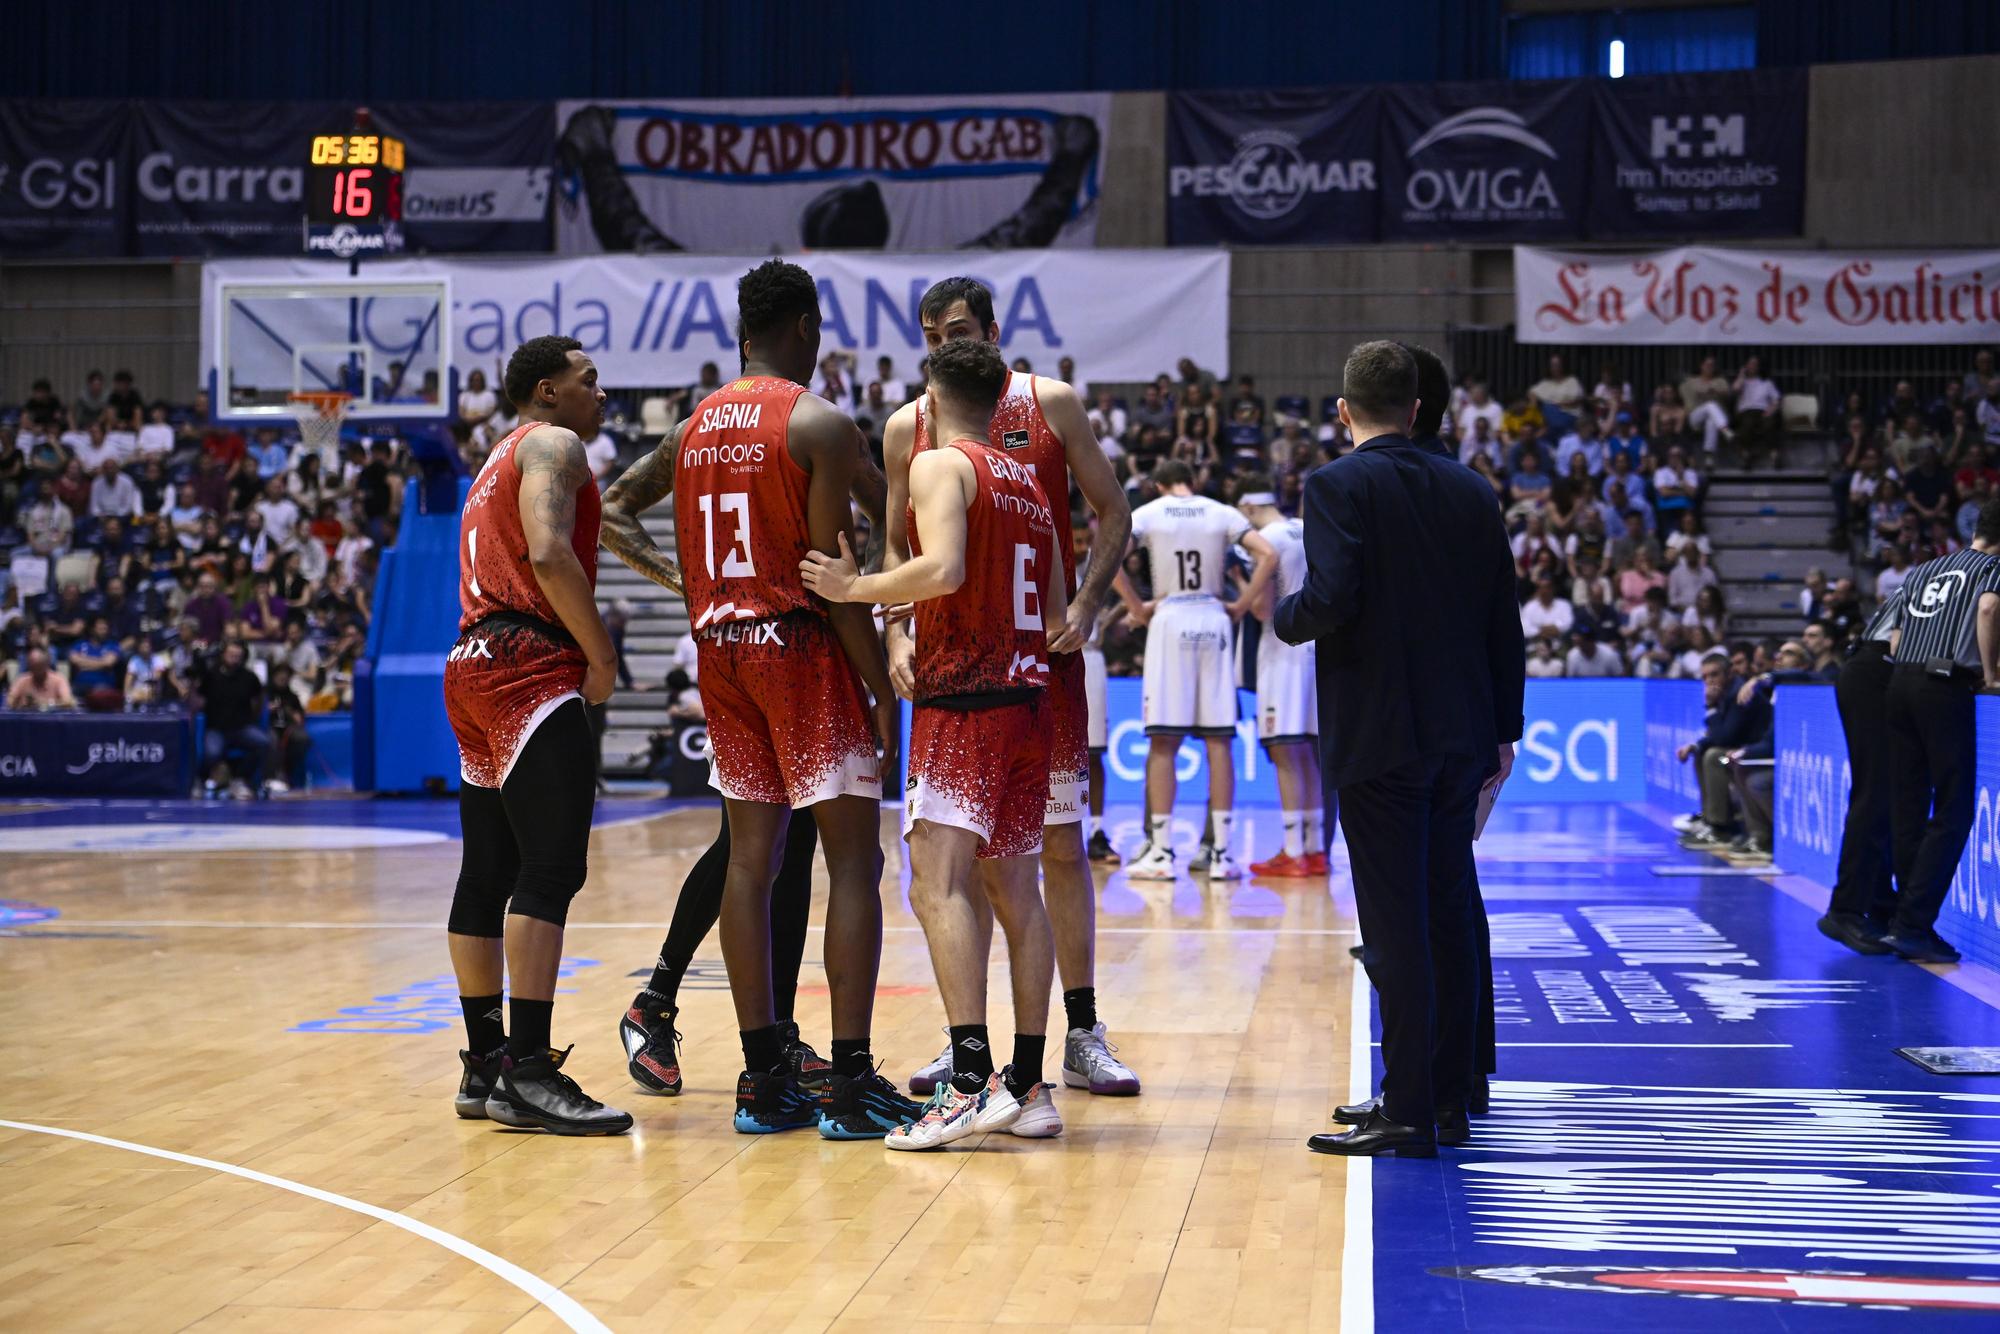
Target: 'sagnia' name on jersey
(702, 456)
(731, 417)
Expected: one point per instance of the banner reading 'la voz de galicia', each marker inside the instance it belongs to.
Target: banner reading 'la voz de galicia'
(1696, 295)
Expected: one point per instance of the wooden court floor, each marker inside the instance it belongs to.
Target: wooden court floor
(181, 1005)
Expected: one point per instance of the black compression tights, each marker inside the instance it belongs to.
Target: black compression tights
(700, 905)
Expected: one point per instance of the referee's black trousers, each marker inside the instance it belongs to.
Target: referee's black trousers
(1862, 886)
(1409, 842)
(1931, 789)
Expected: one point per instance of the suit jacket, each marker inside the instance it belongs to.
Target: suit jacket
(1409, 595)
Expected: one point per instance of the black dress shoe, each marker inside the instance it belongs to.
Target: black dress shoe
(1853, 931)
(1921, 946)
(1378, 1134)
(1356, 1113)
(536, 1095)
(1481, 1096)
(1453, 1126)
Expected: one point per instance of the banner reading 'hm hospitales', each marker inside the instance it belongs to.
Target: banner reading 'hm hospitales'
(1700, 295)
(884, 173)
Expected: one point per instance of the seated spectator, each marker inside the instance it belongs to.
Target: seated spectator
(1708, 610)
(1478, 407)
(278, 511)
(1986, 413)
(1544, 661)
(1709, 398)
(1895, 575)
(73, 489)
(150, 678)
(270, 455)
(1885, 519)
(1688, 532)
(1558, 389)
(1107, 419)
(1545, 615)
(92, 401)
(125, 607)
(233, 708)
(1529, 483)
(90, 448)
(1927, 487)
(1485, 467)
(50, 525)
(1626, 547)
(1696, 647)
(94, 668)
(113, 493)
(1963, 441)
(353, 550)
(1977, 495)
(307, 484)
(1632, 476)
(1690, 575)
(291, 744)
(1731, 725)
(1523, 420)
(1612, 396)
(40, 688)
(1154, 411)
(1587, 542)
(1625, 441)
(1590, 592)
(264, 614)
(1668, 419)
(1480, 441)
(1582, 443)
(1652, 636)
(1675, 488)
(1591, 656)
(1912, 438)
(1636, 582)
(1534, 539)
(209, 609)
(156, 437)
(125, 408)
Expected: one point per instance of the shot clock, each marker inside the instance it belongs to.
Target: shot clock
(354, 193)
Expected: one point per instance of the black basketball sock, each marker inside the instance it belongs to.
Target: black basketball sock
(1080, 1006)
(1026, 1071)
(666, 982)
(529, 1021)
(971, 1057)
(851, 1058)
(485, 1033)
(763, 1049)
(655, 1002)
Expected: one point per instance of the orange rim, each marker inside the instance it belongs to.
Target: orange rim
(326, 402)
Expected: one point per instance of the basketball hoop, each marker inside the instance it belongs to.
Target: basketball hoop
(320, 413)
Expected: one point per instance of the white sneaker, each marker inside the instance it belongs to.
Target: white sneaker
(1000, 1108)
(1152, 864)
(1088, 1063)
(1222, 866)
(1683, 823)
(1039, 1118)
(925, 1081)
(278, 787)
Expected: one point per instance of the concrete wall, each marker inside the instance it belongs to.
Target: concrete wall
(62, 321)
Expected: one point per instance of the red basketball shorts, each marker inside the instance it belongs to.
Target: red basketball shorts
(500, 682)
(986, 770)
(787, 715)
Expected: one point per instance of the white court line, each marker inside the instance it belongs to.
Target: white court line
(65, 923)
(562, 1306)
(1645, 1046)
(1357, 1247)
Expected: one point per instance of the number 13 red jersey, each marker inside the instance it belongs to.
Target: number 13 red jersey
(988, 636)
(740, 506)
(494, 572)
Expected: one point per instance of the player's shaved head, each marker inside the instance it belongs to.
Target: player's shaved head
(969, 377)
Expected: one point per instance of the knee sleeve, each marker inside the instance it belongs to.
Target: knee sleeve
(478, 908)
(488, 865)
(545, 888)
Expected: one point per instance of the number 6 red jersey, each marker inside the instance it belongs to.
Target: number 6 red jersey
(740, 506)
(494, 572)
(988, 637)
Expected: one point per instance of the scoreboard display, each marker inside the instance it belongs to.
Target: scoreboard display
(355, 178)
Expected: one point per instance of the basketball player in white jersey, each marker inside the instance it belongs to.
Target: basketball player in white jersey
(1099, 847)
(1189, 686)
(1287, 696)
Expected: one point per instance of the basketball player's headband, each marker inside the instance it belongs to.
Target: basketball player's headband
(1257, 498)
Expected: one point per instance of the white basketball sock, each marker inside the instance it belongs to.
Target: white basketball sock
(1295, 843)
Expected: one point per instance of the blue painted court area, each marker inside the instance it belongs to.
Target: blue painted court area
(1700, 1121)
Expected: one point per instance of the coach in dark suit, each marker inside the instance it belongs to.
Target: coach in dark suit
(1409, 595)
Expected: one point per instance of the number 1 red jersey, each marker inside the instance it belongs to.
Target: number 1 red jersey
(1022, 432)
(740, 506)
(494, 572)
(988, 638)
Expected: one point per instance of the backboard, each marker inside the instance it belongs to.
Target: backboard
(387, 343)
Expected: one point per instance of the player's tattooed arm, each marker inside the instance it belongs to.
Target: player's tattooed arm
(643, 485)
(553, 469)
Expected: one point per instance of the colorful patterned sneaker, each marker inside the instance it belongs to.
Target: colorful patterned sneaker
(999, 1108)
(1088, 1063)
(475, 1086)
(1039, 1118)
(925, 1081)
(650, 1041)
(812, 1070)
(864, 1107)
(773, 1101)
(1152, 863)
(947, 1117)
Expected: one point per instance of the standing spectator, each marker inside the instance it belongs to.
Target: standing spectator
(1708, 398)
(233, 708)
(127, 409)
(114, 493)
(90, 404)
(378, 485)
(40, 687)
(13, 472)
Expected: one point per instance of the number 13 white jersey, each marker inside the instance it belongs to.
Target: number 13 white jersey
(1187, 541)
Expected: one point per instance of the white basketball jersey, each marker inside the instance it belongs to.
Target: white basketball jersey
(1187, 541)
(1288, 538)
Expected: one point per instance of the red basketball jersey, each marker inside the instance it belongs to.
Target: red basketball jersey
(988, 636)
(740, 506)
(494, 573)
(1021, 432)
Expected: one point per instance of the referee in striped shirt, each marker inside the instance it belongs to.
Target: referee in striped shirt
(1947, 647)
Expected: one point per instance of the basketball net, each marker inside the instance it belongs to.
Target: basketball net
(320, 413)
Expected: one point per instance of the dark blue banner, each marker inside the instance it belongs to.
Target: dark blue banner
(1253, 167)
(224, 178)
(85, 754)
(1485, 161)
(61, 192)
(479, 173)
(1699, 155)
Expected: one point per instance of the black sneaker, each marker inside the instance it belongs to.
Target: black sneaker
(772, 1101)
(1100, 850)
(476, 1085)
(1925, 946)
(812, 1070)
(864, 1107)
(536, 1095)
(650, 1040)
(1854, 931)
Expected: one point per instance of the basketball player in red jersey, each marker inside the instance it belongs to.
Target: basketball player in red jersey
(762, 476)
(532, 651)
(984, 563)
(1039, 422)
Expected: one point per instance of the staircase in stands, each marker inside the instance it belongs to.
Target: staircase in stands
(658, 621)
(1768, 529)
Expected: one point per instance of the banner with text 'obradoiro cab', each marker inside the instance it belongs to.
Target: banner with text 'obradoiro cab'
(1706, 295)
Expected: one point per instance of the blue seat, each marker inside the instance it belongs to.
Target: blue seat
(1293, 405)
